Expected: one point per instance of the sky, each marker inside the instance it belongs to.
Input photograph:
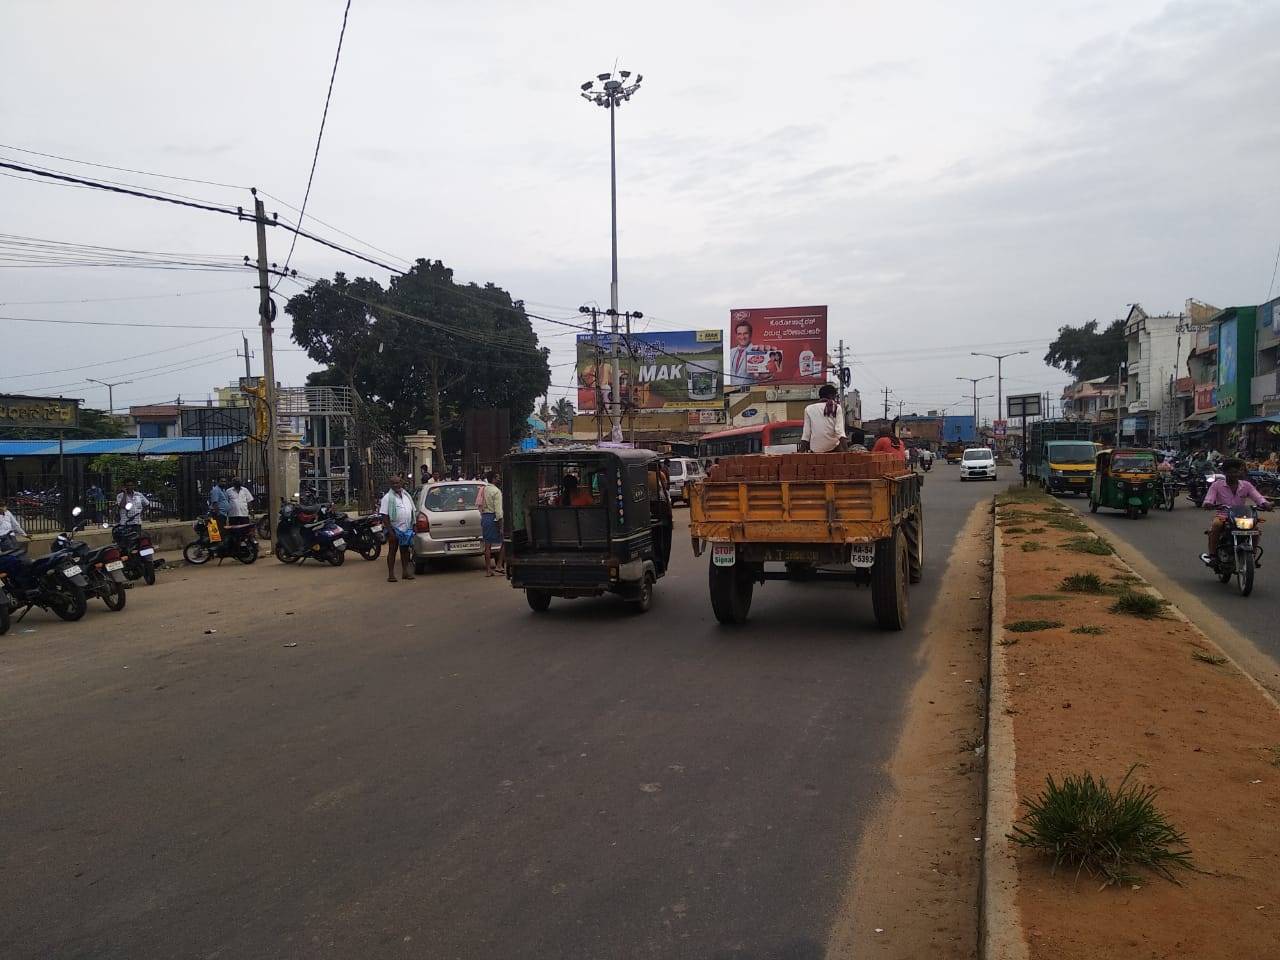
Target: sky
(945, 177)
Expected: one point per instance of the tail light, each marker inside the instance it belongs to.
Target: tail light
(111, 556)
(144, 541)
(423, 525)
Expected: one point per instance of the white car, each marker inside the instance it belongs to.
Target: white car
(978, 463)
(683, 470)
(452, 522)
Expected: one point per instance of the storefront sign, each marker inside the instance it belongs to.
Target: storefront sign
(51, 412)
(1206, 398)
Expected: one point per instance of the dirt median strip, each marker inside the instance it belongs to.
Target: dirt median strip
(1092, 672)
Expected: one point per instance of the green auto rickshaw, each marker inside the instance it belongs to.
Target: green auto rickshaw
(1124, 479)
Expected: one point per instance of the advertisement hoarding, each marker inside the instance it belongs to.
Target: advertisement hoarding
(17, 410)
(777, 345)
(671, 370)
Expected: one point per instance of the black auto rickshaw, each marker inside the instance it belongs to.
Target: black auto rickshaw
(1124, 479)
(583, 522)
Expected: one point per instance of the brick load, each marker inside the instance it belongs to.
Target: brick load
(806, 466)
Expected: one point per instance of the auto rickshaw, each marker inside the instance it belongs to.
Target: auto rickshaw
(585, 522)
(1124, 479)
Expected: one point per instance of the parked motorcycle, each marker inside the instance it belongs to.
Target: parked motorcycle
(305, 532)
(136, 551)
(54, 582)
(102, 567)
(218, 537)
(365, 535)
(1239, 552)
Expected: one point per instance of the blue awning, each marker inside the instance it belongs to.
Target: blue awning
(1274, 418)
(128, 446)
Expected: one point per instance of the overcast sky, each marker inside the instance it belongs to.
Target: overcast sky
(944, 176)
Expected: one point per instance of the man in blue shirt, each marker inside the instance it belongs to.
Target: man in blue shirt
(219, 502)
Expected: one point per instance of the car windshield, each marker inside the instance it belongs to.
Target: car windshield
(675, 468)
(451, 497)
(977, 454)
(1133, 463)
(1071, 453)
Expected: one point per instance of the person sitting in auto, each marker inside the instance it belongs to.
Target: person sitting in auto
(1231, 490)
(573, 494)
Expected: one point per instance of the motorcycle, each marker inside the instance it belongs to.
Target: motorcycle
(54, 582)
(365, 535)
(1239, 552)
(927, 464)
(102, 567)
(1167, 491)
(1198, 482)
(305, 532)
(217, 536)
(136, 551)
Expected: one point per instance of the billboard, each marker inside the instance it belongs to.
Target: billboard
(777, 345)
(680, 370)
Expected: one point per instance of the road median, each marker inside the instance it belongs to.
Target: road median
(1157, 746)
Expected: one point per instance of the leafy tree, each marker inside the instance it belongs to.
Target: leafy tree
(1086, 352)
(337, 322)
(562, 412)
(149, 473)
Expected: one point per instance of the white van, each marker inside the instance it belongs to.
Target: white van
(683, 470)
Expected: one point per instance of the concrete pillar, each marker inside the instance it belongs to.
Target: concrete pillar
(422, 452)
(288, 446)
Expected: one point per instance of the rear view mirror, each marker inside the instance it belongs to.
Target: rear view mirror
(76, 511)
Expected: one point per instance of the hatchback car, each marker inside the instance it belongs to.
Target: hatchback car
(448, 522)
(683, 470)
(978, 463)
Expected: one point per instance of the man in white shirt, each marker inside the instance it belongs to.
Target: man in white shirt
(238, 499)
(824, 424)
(742, 347)
(400, 515)
(9, 525)
(130, 504)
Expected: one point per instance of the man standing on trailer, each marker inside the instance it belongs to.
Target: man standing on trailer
(824, 424)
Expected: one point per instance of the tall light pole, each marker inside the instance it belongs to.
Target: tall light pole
(975, 381)
(111, 406)
(611, 93)
(999, 358)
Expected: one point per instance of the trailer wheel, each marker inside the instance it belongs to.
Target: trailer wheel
(731, 589)
(913, 528)
(889, 579)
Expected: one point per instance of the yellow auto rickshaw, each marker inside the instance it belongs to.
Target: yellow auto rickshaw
(1124, 479)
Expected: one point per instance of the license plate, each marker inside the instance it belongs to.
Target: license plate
(115, 565)
(862, 555)
(724, 554)
(72, 571)
(465, 545)
(145, 552)
(376, 528)
(340, 544)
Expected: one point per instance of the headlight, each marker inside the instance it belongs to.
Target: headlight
(1244, 523)
(1057, 473)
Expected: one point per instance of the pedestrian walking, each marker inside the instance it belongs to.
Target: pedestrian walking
(489, 503)
(399, 513)
(238, 499)
(130, 504)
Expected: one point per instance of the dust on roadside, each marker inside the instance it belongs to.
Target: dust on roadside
(913, 891)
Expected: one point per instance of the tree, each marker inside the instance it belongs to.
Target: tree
(338, 324)
(562, 412)
(149, 473)
(1087, 353)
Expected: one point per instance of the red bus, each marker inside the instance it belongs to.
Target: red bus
(779, 437)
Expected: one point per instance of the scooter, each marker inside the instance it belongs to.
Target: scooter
(1239, 553)
(103, 569)
(217, 536)
(54, 582)
(304, 532)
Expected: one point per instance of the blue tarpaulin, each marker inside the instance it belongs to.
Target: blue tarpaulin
(129, 446)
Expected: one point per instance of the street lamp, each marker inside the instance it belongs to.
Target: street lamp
(975, 381)
(611, 93)
(111, 407)
(999, 359)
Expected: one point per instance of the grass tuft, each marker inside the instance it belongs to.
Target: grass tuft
(1089, 631)
(1036, 530)
(1029, 626)
(1094, 545)
(1275, 755)
(1017, 493)
(1068, 523)
(1041, 596)
(1127, 578)
(1139, 605)
(1083, 583)
(1030, 546)
(1008, 641)
(1015, 529)
(1084, 824)
(1207, 658)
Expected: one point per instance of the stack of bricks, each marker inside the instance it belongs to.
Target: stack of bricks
(806, 466)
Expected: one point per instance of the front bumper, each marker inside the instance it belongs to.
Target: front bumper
(1070, 483)
(978, 473)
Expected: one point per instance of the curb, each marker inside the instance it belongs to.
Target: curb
(1000, 935)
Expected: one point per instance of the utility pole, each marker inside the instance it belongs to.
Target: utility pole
(244, 337)
(999, 358)
(614, 90)
(266, 313)
(900, 403)
(886, 403)
(975, 381)
(111, 406)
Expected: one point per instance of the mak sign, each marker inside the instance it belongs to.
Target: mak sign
(50, 412)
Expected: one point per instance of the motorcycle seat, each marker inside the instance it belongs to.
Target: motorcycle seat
(246, 525)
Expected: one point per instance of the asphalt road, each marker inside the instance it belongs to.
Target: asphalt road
(352, 768)
(1173, 542)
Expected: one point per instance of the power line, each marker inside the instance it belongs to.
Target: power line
(319, 136)
(148, 296)
(123, 323)
(107, 166)
(103, 363)
(100, 185)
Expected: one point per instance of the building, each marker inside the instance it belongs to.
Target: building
(1154, 362)
(1264, 389)
(155, 421)
(1236, 328)
(1087, 399)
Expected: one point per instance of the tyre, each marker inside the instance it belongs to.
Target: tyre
(730, 593)
(196, 552)
(337, 557)
(283, 556)
(1225, 571)
(644, 601)
(115, 597)
(264, 527)
(889, 578)
(68, 601)
(1131, 511)
(1093, 504)
(1170, 501)
(420, 567)
(372, 552)
(247, 552)
(1244, 572)
(539, 600)
(913, 529)
(4, 615)
(148, 571)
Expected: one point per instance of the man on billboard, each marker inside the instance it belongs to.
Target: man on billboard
(742, 349)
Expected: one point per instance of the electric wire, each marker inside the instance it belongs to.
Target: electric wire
(103, 363)
(107, 166)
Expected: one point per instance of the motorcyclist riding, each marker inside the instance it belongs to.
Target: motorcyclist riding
(1229, 491)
